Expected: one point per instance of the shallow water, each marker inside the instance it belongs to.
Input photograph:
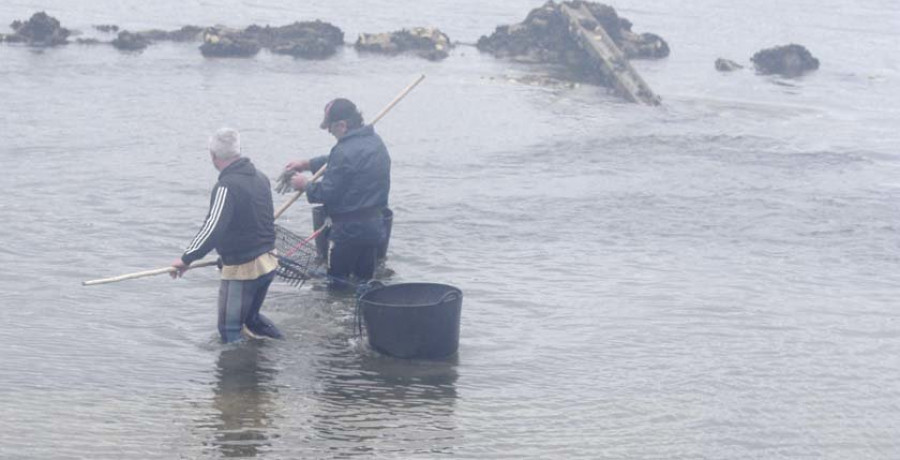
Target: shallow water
(711, 279)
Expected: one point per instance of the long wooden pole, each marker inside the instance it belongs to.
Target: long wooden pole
(212, 261)
(397, 99)
(159, 271)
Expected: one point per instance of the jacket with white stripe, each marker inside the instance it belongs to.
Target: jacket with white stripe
(240, 224)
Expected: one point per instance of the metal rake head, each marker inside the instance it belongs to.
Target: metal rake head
(297, 258)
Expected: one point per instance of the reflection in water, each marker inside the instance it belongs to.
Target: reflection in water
(367, 398)
(243, 397)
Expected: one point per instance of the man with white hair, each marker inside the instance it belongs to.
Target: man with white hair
(240, 226)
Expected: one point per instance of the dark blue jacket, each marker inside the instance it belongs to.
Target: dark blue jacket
(240, 224)
(355, 186)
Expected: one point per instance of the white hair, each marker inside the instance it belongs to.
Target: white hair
(225, 144)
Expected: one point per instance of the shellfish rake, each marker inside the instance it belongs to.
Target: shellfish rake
(297, 260)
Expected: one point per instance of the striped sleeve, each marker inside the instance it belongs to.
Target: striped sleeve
(220, 210)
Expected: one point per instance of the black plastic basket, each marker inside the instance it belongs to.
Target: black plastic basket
(412, 320)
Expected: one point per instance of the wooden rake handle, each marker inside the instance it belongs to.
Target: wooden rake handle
(159, 271)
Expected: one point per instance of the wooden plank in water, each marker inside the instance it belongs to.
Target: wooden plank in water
(588, 32)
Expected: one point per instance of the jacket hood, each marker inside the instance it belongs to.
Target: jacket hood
(242, 166)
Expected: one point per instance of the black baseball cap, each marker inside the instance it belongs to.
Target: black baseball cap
(337, 110)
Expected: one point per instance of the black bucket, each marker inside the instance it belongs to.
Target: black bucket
(318, 217)
(388, 216)
(413, 320)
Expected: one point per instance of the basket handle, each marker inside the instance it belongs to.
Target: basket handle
(370, 286)
(449, 296)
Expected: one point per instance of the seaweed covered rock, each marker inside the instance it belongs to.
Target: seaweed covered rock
(643, 46)
(544, 37)
(308, 49)
(218, 43)
(128, 41)
(184, 34)
(308, 40)
(40, 30)
(107, 28)
(726, 65)
(789, 60)
(429, 43)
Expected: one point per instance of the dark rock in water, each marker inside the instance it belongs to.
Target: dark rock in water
(128, 41)
(40, 30)
(217, 43)
(153, 35)
(643, 46)
(308, 49)
(308, 40)
(789, 60)
(635, 46)
(544, 37)
(588, 38)
(429, 43)
(88, 41)
(184, 34)
(725, 65)
(107, 28)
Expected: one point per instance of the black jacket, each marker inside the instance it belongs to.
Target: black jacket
(240, 224)
(355, 186)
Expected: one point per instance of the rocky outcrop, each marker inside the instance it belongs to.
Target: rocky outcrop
(307, 40)
(44, 30)
(725, 65)
(137, 41)
(107, 28)
(184, 34)
(789, 61)
(544, 37)
(221, 43)
(639, 46)
(128, 41)
(429, 43)
(587, 38)
(40, 30)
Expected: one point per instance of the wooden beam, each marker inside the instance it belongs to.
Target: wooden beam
(592, 37)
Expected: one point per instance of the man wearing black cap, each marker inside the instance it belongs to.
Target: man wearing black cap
(354, 190)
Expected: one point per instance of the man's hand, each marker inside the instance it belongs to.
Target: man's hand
(180, 268)
(298, 166)
(299, 182)
(284, 181)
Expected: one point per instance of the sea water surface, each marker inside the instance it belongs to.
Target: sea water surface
(713, 278)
